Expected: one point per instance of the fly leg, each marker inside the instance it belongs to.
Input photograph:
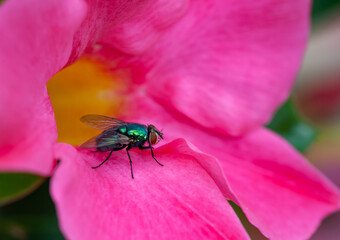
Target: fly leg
(127, 150)
(104, 160)
(113, 149)
(153, 156)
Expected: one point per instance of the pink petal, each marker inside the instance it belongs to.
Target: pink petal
(224, 61)
(36, 42)
(280, 192)
(276, 187)
(130, 26)
(177, 201)
(329, 228)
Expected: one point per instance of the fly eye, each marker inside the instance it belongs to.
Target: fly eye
(153, 138)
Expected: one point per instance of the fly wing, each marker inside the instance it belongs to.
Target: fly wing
(101, 122)
(91, 143)
(105, 140)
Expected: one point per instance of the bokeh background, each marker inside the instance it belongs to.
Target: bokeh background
(309, 120)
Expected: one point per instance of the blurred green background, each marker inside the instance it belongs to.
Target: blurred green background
(309, 120)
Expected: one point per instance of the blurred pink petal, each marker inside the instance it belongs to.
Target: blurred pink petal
(224, 61)
(36, 42)
(279, 191)
(329, 228)
(282, 193)
(129, 26)
(177, 201)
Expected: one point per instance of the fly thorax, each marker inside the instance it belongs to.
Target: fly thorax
(122, 129)
(137, 134)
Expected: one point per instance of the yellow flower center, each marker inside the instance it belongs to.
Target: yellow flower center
(85, 87)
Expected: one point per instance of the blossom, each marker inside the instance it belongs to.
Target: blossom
(211, 72)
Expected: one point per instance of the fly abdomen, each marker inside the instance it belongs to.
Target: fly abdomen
(114, 147)
(104, 149)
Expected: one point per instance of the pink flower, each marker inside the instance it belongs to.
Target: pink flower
(211, 72)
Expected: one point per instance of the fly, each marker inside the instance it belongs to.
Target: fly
(118, 135)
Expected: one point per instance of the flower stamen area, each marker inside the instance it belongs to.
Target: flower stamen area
(85, 87)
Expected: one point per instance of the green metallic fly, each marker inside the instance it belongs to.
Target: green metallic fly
(118, 134)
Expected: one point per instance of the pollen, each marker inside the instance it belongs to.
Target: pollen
(82, 88)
